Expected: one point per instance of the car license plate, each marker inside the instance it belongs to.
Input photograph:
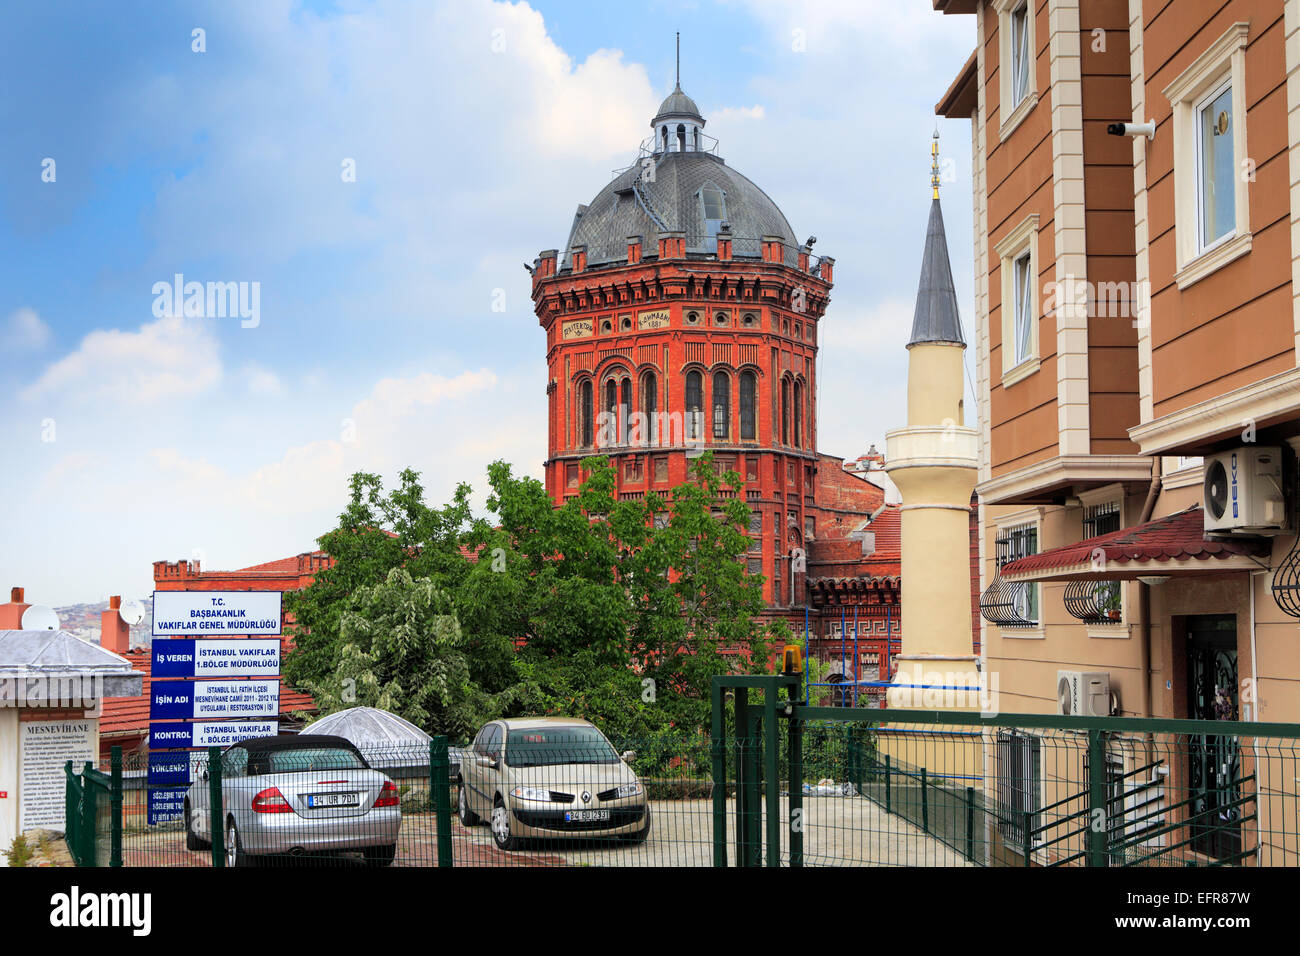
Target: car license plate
(322, 800)
(585, 816)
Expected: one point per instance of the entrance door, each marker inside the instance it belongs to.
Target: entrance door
(1213, 771)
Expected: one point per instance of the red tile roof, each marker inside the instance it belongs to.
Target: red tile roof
(1176, 537)
(129, 716)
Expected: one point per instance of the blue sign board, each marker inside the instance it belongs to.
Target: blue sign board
(216, 657)
(166, 804)
(186, 700)
(169, 768)
(216, 733)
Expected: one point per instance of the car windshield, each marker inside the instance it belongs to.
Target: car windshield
(548, 746)
(307, 758)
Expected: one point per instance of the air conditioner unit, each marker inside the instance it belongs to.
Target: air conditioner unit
(1083, 693)
(1243, 490)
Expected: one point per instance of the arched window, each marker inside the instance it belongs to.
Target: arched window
(721, 405)
(785, 411)
(650, 407)
(663, 138)
(798, 415)
(681, 138)
(624, 408)
(748, 404)
(585, 413)
(609, 423)
(694, 404)
(695, 130)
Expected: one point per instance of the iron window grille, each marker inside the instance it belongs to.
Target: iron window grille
(1018, 784)
(1008, 604)
(1097, 602)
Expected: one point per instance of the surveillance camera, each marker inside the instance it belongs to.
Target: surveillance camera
(1147, 129)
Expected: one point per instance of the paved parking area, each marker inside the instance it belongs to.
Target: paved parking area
(838, 831)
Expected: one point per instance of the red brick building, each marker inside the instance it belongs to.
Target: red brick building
(684, 317)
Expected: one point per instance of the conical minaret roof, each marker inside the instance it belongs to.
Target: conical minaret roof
(936, 318)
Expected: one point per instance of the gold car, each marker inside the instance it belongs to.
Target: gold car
(550, 777)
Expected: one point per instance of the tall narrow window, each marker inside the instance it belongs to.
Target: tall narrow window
(713, 209)
(650, 408)
(624, 407)
(609, 414)
(748, 404)
(1020, 53)
(681, 138)
(585, 412)
(798, 414)
(694, 404)
(785, 411)
(1216, 187)
(1024, 292)
(721, 405)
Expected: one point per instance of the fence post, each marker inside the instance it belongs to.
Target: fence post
(216, 815)
(115, 805)
(71, 807)
(797, 821)
(889, 801)
(717, 744)
(86, 830)
(970, 824)
(925, 803)
(1027, 836)
(1097, 824)
(440, 781)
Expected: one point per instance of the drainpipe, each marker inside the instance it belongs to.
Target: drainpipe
(1144, 589)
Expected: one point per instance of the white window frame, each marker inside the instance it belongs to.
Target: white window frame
(1025, 518)
(1018, 243)
(1220, 65)
(1013, 110)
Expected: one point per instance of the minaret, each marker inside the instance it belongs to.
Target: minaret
(933, 462)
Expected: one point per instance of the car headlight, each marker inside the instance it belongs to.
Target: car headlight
(629, 790)
(531, 793)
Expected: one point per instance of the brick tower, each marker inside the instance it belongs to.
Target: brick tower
(683, 318)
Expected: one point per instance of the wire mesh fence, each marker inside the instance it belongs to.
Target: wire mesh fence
(862, 791)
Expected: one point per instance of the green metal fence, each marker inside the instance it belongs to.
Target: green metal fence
(774, 783)
(93, 813)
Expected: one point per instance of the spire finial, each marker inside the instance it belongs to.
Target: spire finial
(679, 60)
(934, 162)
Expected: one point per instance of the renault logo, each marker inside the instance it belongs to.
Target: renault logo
(586, 796)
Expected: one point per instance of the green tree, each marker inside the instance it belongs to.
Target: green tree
(403, 651)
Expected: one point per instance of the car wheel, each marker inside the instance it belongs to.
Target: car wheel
(467, 816)
(380, 855)
(501, 827)
(235, 855)
(193, 842)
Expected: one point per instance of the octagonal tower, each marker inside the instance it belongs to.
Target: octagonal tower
(683, 317)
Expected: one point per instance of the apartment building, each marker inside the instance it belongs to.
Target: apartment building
(1137, 341)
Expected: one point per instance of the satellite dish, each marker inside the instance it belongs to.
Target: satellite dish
(38, 617)
(131, 611)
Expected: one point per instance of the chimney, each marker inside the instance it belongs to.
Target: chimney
(546, 263)
(672, 244)
(633, 250)
(724, 242)
(114, 633)
(773, 249)
(11, 614)
(578, 257)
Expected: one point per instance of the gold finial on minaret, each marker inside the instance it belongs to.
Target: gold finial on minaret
(934, 163)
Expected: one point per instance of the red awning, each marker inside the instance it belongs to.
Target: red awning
(1175, 545)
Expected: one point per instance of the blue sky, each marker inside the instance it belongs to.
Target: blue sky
(475, 128)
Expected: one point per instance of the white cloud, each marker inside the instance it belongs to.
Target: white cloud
(262, 382)
(25, 331)
(171, 357)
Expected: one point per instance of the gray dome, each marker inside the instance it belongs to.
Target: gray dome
(677, 104)
(635, 205)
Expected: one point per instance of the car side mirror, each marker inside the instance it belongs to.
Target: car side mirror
(629, 756)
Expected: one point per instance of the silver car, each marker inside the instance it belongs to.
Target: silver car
(307, 793)
(550, 777)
